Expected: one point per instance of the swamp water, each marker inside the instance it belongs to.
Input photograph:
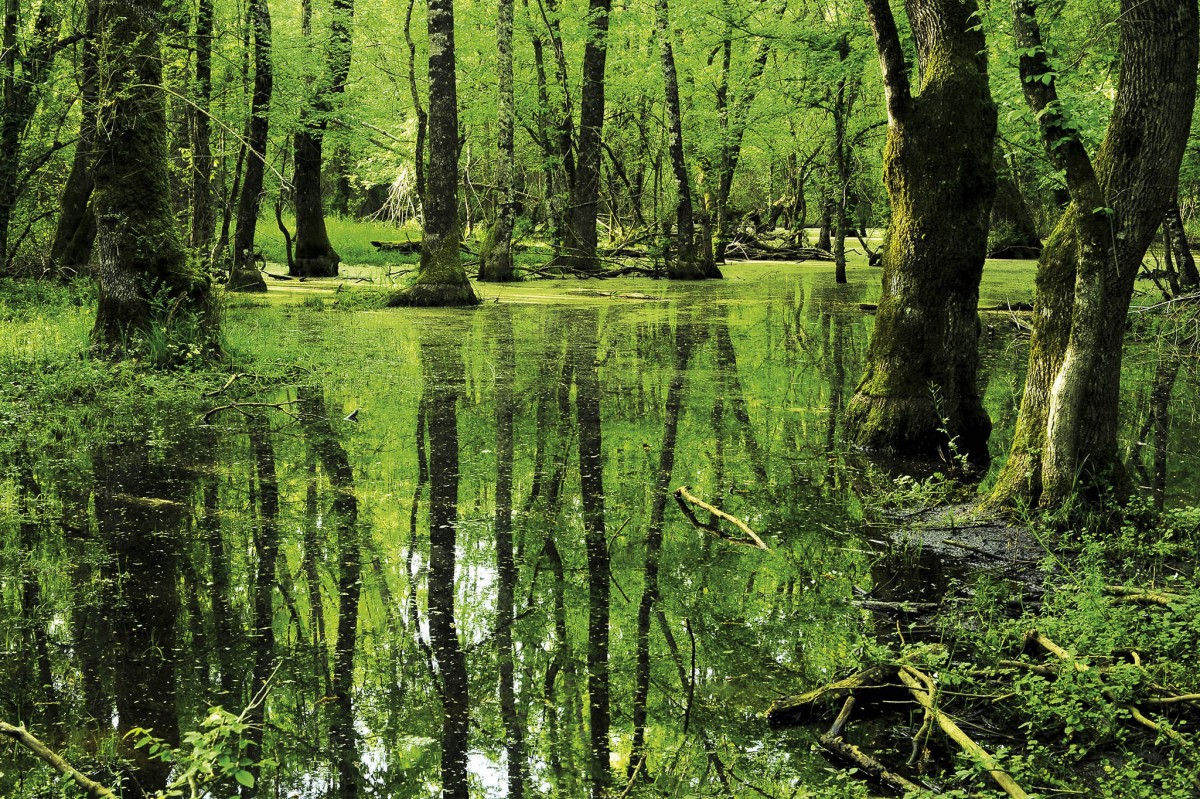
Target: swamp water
(339, 541)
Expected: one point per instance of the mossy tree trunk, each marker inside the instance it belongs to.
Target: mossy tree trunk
(1066, 438)
(495, 259)
(580, 239)
(315, 255)
(203, 218)
(440, 279)
(146, 282)
(244, 274)
(919, 396)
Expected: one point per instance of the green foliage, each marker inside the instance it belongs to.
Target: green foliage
(211, 760)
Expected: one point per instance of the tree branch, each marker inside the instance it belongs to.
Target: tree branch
(896, 86)
(45, 753)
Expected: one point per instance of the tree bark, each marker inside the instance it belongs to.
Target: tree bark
(244, 274)
(580, 244)
(495, 257)
(919, 396)
(203, 218)
(1189, 277)
(1066, 438)
(315, 255)
(582, 354)
(146, 282)
(76, 228)
(444, 384)
(686, 265)
(440, 280)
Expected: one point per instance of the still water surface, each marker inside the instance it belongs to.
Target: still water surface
(343, 547)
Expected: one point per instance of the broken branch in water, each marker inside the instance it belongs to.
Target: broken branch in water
(55, 761)
(683, 498)
(239, 406)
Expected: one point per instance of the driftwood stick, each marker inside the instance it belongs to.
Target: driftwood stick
(839, 724)
(238, 406)
(683, 498)
(924, 691)
(225, 387)
(55, 761)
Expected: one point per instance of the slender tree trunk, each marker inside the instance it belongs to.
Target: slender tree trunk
(146, 282)
(1066, 438)
(495, 257)
(262, 633)
(591, 482)
(440, 279)
(506, 569)
(581, 237)
(422, 117)
(684, 345)
(244, 274)
(76, 228)
(685, 264)
(444, 384)
(202, 160)
(1185, 261)
(919, 396)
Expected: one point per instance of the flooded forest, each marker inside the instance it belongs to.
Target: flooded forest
(612, 400)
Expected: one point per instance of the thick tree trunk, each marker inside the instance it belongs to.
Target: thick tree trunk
(244, 274)
(146, 282)
(1066, 438)
(315, 256)
(919, 395)
(580, 244)
(495, 259)
(440, 279)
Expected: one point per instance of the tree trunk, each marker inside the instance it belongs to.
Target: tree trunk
(76, 228)
(919, 395)
(580, 242)
(506, 569)
(444, 383)
(244, 274)
(495, 259)
(146, 282)
(422, 117)
(591, 483)
(203, 218)
(1066, 438)
(440, 279)
(686, 264)
(315, 256)
(1184, 260)
(1013, 233)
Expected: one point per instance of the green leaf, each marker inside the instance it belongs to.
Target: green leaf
(245, 778)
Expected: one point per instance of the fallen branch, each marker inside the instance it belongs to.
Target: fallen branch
(239, 406)
(867, 764)
(924, 691)
(682, 497)
(235, 376)
(55, 761)
(790, 710)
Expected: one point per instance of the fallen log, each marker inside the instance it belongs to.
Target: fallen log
(800, 709)
(923, 689)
